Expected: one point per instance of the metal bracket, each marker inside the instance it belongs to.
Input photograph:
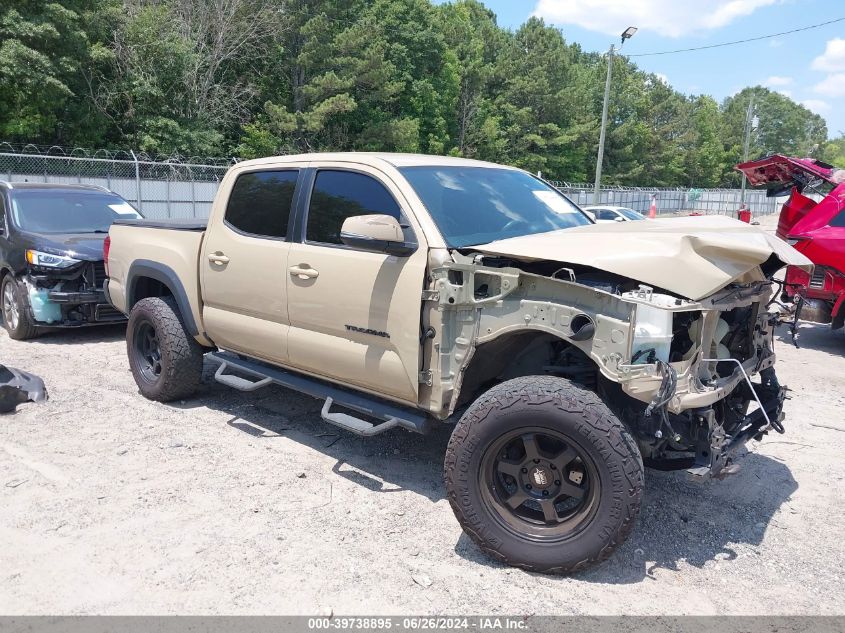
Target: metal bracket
(431, 295)
(426, 378)
(747, 380)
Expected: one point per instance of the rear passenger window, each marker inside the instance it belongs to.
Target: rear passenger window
(605, 214)
(838, 220)
(339, 195)
(260, 202)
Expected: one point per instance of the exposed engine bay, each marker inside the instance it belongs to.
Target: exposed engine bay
(676, 371)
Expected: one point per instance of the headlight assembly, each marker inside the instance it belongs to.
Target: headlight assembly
(49, 260)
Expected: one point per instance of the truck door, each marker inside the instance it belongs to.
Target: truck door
(244, 265)
(355, 315)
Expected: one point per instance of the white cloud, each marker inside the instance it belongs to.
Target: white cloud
(833, 58)
(786, 93)
(666, 17)
(662, 78)
(775, 81)
(816, 105)
(832, 85)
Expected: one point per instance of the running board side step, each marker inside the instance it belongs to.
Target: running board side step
(392, 415)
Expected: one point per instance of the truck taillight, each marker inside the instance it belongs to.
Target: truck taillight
(106, 247)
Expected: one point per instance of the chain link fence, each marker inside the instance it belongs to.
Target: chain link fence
(673, 201)
(173, 188)
(184, 187)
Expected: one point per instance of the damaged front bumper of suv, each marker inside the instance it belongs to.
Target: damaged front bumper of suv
(69, 297)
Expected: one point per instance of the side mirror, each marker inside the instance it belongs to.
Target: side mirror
(618, 219)
(376, 233)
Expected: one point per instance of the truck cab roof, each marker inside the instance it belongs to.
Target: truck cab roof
(376, 159)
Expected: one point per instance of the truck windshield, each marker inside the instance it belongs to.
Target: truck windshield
(57, 211)
(476, 205)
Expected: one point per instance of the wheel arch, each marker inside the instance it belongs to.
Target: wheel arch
(4, 271)
(513, 353)
(147, 278)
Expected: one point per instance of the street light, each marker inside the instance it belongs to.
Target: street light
(627, 34)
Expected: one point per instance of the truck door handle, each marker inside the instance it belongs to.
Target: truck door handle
(218, 258)
(303, 271)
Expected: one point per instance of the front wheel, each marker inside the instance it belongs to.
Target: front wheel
(543, 476)
(165, 359)
(16, 317)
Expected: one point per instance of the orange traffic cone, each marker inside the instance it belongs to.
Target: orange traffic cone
(652, 210)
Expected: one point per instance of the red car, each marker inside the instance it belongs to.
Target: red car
(813, 221)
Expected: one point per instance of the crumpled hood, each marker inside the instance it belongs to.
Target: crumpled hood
(692, 257)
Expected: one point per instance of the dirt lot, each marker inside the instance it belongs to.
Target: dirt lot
(233, 503)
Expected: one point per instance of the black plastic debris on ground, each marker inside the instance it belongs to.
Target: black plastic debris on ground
(17, 387)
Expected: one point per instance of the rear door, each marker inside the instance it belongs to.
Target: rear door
(355, 315)
(244, 262)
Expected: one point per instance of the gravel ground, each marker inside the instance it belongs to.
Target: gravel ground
(235, 503)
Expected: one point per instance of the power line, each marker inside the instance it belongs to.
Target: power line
(750, 39)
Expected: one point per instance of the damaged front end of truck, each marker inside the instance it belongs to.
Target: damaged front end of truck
(667, 323)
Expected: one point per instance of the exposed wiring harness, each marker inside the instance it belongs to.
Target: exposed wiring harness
(664, 394)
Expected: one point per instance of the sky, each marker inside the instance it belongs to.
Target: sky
(808, 66)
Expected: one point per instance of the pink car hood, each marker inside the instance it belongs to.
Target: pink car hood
(692, 257)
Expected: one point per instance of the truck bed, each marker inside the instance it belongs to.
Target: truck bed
(166, 251)
(190, 224)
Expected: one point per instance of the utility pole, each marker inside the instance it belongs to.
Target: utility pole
(626, 35)
(600, 160)
(749, 117)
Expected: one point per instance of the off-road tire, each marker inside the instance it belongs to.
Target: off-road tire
(26, 326)
(571, 411)
(180, 354)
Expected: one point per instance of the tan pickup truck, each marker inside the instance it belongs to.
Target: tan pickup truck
(410, 290)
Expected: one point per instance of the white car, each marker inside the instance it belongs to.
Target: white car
(606, 213)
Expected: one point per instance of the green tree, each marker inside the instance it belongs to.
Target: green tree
(367, 76)
(174, 77)
(471, 33)
(259, 77)
(704, 155)
(833, 152)
(784, 127)
(531, 106)
(44, 48)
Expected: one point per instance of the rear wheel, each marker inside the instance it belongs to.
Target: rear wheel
(542, 475)
(165, 359)
(16, 317)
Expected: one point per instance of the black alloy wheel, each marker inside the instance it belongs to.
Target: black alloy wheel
(539, 483)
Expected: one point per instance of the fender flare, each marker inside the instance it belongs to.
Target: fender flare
(165, 275)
